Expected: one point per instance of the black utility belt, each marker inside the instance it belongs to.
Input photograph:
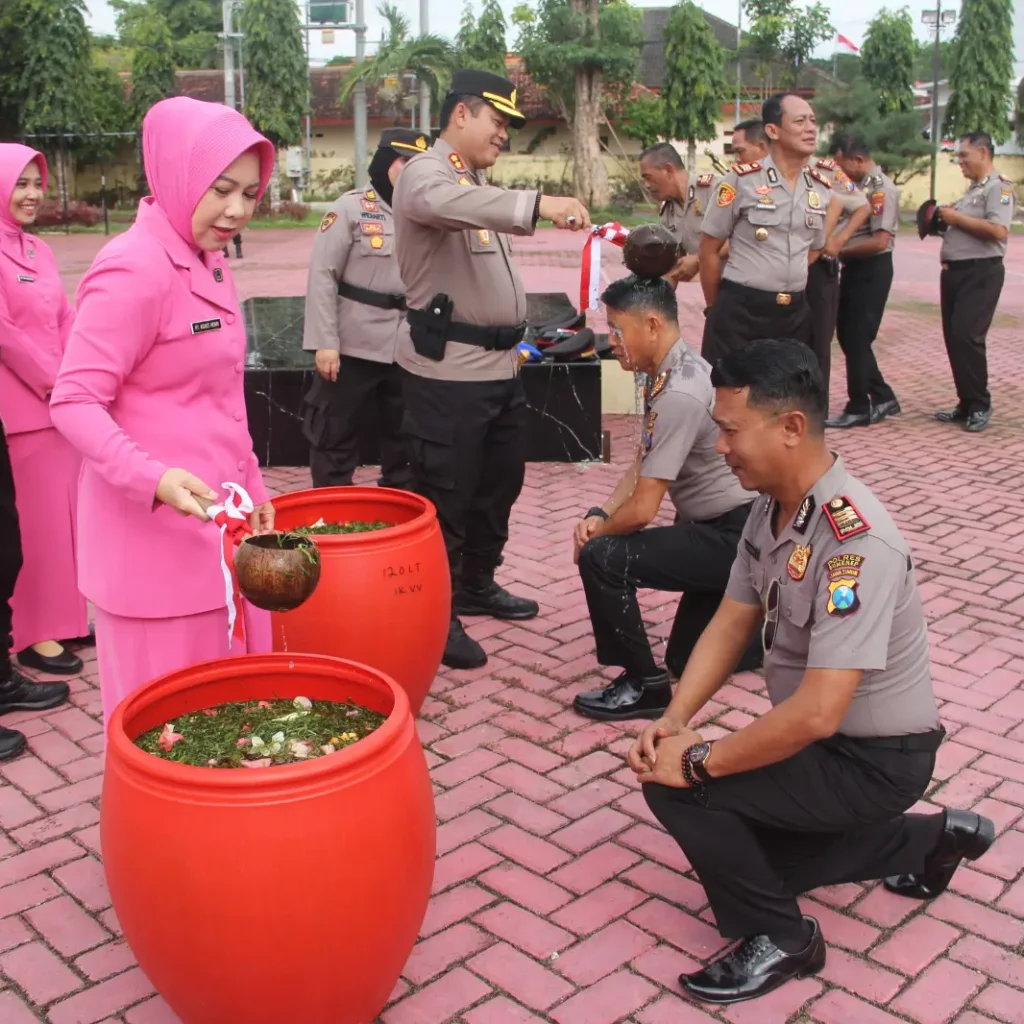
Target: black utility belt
(763, 297)
(982, 261)
(369, 297)
(918, 742)
(432, 328)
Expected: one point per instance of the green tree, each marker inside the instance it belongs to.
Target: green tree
(400, 63)
(585, 53)
(1020, 111)
(276, 74)
(981, 80)
(194, 26)
(466, 36)
(12, 22)
(888, 56)
(924, 55)
(781, 38)
(694, 83)
(897, 143)
(644, 119)
(146, 33)
(480, 42)
(109, 113)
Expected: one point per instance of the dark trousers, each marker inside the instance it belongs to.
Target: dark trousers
(823, 302)
(969, 291)
(10, 555)
(467, 443)
(863, 293)
(335, 412)
(695, 559)
(830, 814)
(741, 314)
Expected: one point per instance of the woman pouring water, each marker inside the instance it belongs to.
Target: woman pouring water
(150, 393)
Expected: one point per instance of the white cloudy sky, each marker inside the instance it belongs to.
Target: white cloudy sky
(850, 19)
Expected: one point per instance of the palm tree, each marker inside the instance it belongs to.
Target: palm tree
(399, 62)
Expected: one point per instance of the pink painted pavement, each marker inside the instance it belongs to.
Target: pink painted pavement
(556, 899)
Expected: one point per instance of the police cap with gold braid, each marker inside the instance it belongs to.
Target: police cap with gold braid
(499, 92)
(404, 141)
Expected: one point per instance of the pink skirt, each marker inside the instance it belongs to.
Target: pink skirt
(46, 604)
(131, 652)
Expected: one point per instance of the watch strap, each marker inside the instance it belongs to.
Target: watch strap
(596, 511)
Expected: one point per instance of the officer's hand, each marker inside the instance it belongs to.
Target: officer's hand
(328, 362)
(833, 246)
(684, 270)
(564, 212)
(668, 769)
(641, 755)
(585, 529)
(261, 519)
(178, 488)
(947, 214)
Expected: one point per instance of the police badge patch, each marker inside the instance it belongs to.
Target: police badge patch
(877, 203)
(653, 388)
(798, 560)
(648, 434)
(726, 194)
(843, 599)
(329, 219)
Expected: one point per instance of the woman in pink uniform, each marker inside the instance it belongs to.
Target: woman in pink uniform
(150, 393)
(35, 320)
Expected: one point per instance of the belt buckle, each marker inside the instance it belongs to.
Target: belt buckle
(783, 299)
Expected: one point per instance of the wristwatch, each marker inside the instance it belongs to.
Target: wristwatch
(694, 772)
(595, 511)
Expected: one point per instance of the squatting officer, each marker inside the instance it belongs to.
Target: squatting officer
(815, 791)
(355, 307)
(465, 411)
(972, 277)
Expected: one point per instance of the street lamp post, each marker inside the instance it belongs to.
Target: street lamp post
(424, 87)
(940, 19)
(739, 58)
(229, 37)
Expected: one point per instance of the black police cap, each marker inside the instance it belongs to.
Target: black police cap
(928, 220)
(499, 92)
(404, 141)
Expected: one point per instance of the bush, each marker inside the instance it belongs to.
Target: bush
(53, 215)
(287, 211)
(328, 185)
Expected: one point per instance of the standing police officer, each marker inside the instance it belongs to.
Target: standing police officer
(773, 215)
(815, 791)
(683, 204)
(864, 289)
(972, 277)
(355, 307)
(465, 409)
(749, 144)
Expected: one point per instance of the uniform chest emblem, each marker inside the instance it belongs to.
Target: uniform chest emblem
(456, 161)
(691, 192)
(803, 514)
(329, 219)
(1006, 195)
(26, 279)
(218, 275)
(773, 176)
(814, 200)
(726, 194)
(844, 518)
(369, 205)
(797, 564)
(202, 326)
(371, 195)
(877, 203)
(371, 228)
(763, 190)
(648, 435)
(465, 181)
(484, 236)
(698, 208)
(31, 254)
(377, 242)
(653, 388)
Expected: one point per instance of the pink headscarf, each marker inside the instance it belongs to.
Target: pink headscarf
(14, 158)
(186, 144)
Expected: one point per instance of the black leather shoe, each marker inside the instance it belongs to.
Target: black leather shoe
(11, 743)
(849, 419)
(977, 421)
(754, 968)
(488, 598)
(21, 694)
(461, 650)
(956, 415)
(63, 664)
(628, 697)
(964, 835)
(884, 409)
(89, 640)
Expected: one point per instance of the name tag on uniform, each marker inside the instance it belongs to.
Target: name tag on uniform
(202, 326)
(373, 216)
(26, 279)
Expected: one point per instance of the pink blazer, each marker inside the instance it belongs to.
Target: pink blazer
(35, 321)
(152, 379)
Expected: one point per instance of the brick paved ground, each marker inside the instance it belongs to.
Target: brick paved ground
(556, 899)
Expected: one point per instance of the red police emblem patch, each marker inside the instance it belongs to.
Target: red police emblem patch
(367, 205)
(878, 203)
(372, 228)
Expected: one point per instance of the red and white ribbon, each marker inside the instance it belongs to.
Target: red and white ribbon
(232, 516)
(590, 276)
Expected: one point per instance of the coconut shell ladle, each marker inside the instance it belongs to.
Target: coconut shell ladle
(651, 250)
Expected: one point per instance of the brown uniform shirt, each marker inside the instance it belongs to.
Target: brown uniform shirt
(884, 198)
(355, 244)
(991, 199)
(684, 218)
(679, 439)
(842, 187)
(846, 598)
(451, 233)
(770, 229)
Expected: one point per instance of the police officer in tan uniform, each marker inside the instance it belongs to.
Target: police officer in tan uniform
(615, 545)
(749, 144)
(355, 316)
(815, 791)
(683, 203)
(973, 248)
(864, 289)
(773, 215)
(465, 409)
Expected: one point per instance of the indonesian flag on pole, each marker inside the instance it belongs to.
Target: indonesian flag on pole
(590, 276)
(845, 44)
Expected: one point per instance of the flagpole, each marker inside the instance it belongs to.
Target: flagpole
(835, 55)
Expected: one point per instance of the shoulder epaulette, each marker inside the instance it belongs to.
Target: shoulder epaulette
(1003, 177)
(742, 169)
(705, 181)
(818, 176)
(845, 520)
(825, 164)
